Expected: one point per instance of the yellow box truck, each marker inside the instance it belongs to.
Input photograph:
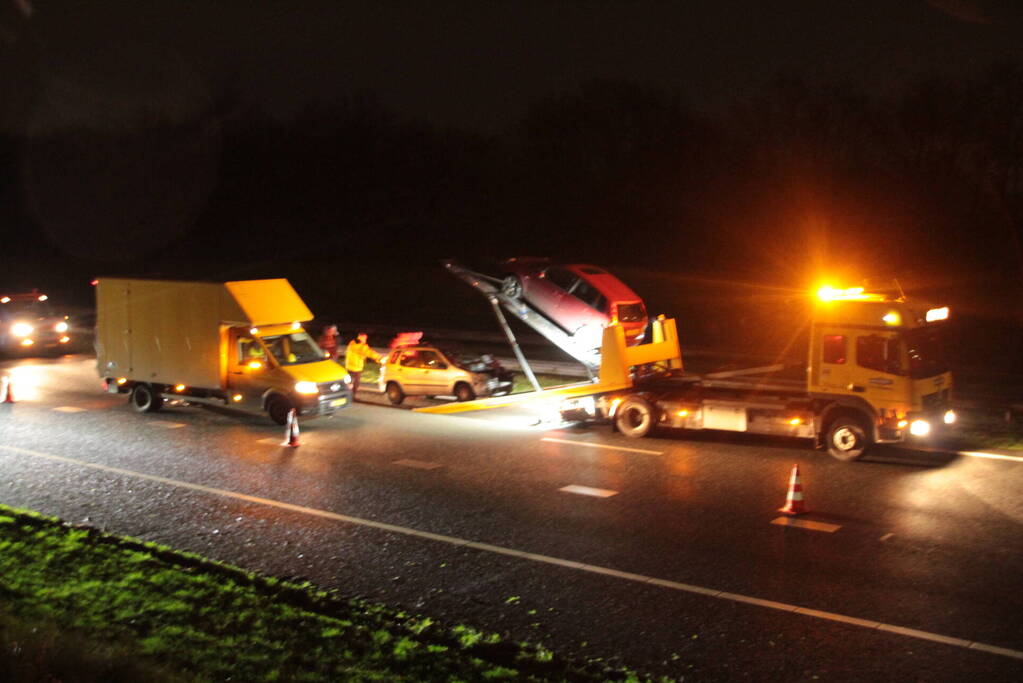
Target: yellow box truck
(231, 344)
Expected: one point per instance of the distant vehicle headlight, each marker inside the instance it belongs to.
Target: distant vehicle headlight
(950, 417)
(306, 388)
(21, 329)
(919, 427)
(61, 326)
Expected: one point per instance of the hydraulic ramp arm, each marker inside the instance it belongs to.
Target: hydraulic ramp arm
(582, 351)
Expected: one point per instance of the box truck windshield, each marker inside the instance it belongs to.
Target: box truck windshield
(293, 348)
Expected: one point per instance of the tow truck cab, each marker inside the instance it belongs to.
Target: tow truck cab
(876, 363)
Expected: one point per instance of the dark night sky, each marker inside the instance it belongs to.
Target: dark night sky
(477, 64)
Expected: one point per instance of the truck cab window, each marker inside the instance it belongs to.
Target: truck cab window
(833, 349)
(249, 350)
(878, 353)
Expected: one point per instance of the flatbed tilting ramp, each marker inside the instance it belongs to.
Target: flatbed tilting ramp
(582, 350)
(559, 393)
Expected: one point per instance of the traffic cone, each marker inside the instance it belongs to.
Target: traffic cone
(291, 435)
(8, 390)
(794, 500)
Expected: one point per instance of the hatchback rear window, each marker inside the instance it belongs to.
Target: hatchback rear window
(631, 313)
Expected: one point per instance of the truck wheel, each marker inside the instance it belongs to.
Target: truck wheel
(511, 287)
(145, 399)
(278, 407)
(847, 438)
(463, 392)
(635, 417)
(394, 393)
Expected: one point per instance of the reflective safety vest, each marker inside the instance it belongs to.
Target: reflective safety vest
(356, 355)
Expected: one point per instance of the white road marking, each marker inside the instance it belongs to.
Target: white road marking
(545, 559)
(806, 524)
(272, 441)
(69, 409)
(601, 445)
(417, 464)
(166, 425)
(887, 536)
(588, 491)
(991, 456)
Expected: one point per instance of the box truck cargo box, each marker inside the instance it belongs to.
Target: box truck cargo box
(236, 344)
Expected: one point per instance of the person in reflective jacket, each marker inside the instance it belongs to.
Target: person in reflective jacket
(355, 358)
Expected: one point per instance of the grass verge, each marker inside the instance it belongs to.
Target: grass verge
(78, 604)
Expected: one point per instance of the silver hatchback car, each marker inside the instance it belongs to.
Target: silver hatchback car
(428, 370)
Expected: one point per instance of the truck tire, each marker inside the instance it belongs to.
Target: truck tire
(278, 407)
(145, 399)
(847, 438)
(635, 417)
(464, 392)
(511, 287)
(394, 393)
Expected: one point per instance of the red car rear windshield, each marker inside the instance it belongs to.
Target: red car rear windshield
(631, 313)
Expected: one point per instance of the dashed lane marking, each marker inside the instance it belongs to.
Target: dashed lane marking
(545, 559)
(588, 491)
(887, 536)
(272, 441)
(806, 524)
(166, 425)
(991, 456)
(601, 445)
(69, 409)
(417, 464)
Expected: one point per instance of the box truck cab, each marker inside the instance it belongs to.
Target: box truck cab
(234, 344)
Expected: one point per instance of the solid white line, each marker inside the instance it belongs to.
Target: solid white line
(417, 464)
(546, 559)
(588, 491)
(991, 456)
(806, 524)
(601, 445)
(166, 425)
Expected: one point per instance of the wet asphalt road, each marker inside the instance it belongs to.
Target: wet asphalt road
(482, 532)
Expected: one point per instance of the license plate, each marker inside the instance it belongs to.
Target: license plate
(338, 402)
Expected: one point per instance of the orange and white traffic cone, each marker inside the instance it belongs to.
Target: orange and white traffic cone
(794, 500)
(291, 435)
(7, 389)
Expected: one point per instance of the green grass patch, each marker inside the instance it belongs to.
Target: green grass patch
(78, 604)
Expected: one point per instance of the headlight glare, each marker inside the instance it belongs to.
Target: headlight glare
(919, 427)
(949, 417)
(21, 329)
(61, 326)
(307, 388)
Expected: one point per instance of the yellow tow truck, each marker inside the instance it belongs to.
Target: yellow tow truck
(874, 374)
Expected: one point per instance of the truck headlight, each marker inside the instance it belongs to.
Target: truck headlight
(919, 427)
(61, 326)
(21, 329)
(308, 388)
(949, 417)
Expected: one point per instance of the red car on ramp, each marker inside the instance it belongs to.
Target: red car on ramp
(577, 297)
